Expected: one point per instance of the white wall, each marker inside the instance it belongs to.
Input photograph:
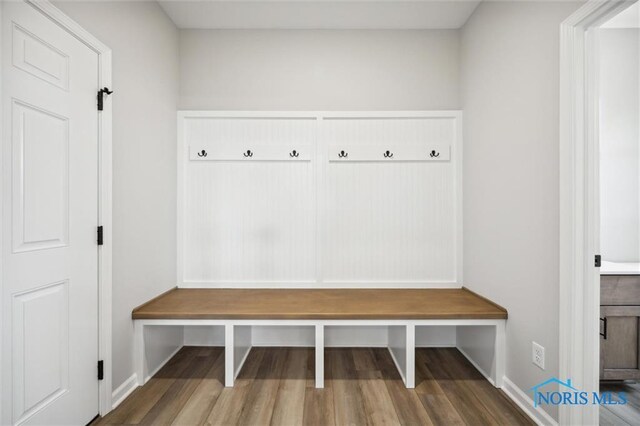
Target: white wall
(319, 70)
(510, 92)
(620, 145)
(145, 80)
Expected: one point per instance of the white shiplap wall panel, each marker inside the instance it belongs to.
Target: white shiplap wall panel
(248, 221)
(268, 221)
(390, 221)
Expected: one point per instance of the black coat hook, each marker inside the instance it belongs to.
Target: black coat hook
(343, 154)
(202, 153)
(248, 153)
(434, 154)
(294, 154)
(388, 154)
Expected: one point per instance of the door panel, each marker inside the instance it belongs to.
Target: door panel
(50, 214)
(40, 178)
(39, 58)
(41, 341)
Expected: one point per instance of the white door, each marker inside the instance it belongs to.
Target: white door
(50, 211)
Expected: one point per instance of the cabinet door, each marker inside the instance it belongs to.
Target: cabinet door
(619, 347)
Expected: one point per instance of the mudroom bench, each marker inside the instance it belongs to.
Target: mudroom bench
(400, 310)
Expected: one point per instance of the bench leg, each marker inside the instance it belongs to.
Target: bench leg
(237, 345)
(402, 346)
(411, 357)
(499, 354)
(139, 351)
(228, 356)
(319, 356)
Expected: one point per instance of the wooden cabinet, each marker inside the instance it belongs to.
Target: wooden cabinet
(620, 328)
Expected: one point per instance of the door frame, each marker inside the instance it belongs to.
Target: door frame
(104, 196)
(579, 203)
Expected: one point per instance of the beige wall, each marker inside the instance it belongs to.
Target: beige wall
(319, 70)
(145, 80)
(510, 91)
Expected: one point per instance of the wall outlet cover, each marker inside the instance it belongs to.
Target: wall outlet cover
(537, 354)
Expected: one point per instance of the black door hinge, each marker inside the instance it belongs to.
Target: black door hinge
(100, 236)
(100, 370)
(101, 93)
(598, 261)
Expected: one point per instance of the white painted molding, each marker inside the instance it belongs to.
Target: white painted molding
(525, 403)
(477, 367)
(241, 363)
(395, 361)
(167, 359)
(579, 192)
(129, 385)
(124, 390)
(314, 284)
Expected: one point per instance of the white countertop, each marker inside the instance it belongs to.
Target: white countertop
(620, 268)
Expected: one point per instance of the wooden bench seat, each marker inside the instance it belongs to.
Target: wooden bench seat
(186, 303)
(400, 310)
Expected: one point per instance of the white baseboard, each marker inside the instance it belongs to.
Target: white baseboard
(395, 361)
(241, 363)
(435, 345)
(520, 398)
(477, 367)
(295, 345)
(124, 390)
(523, 401)
(171, 355)
(129, 385)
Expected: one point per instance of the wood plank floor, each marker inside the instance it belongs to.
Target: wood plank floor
(276, 386)
(621, 415)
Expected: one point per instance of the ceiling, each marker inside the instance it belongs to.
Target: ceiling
(628, 18)
(319, 14)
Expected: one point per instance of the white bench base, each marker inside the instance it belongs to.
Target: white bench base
(401, 340)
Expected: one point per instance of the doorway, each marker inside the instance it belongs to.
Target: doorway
(618, 87)
(582, 324)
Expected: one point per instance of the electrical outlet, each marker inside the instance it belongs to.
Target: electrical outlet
(537, 354)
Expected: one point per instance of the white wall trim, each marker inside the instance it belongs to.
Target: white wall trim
(519, 397)
(579, 193)
(129, 385)
(314, 284)
(104, 194)
(124, 390)
(395, 361)
(525, 403)
(155, 370)
(477, 367)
